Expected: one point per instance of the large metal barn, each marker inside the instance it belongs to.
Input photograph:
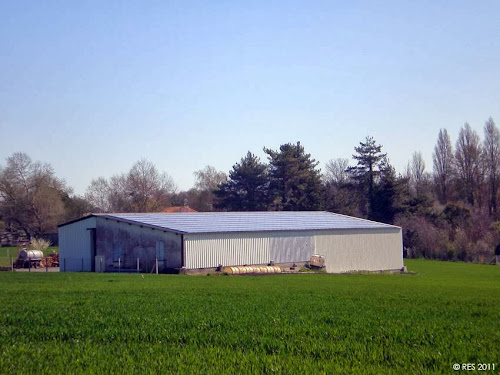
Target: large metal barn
(190, 242)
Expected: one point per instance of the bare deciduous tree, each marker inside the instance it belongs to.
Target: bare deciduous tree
(336, 171)
(98, 194)
(468, 162)
(417, 172)
(207, 181)
(209, 178)
(149, 189)
(142, 189)
(31, 195)
(491, 155)
(443, 164)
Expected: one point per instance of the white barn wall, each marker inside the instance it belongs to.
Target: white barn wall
(344, 250)
(360, 250)
(75, 246)
(291, 247)
(209, 250)
(228, 249)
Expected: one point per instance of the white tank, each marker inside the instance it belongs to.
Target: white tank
(35, 255)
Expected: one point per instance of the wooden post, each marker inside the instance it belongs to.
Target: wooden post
(119, 264)
(156, 264)
(138, 265)
(29, 265)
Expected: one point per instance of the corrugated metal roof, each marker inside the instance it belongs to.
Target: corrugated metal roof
(205, 222)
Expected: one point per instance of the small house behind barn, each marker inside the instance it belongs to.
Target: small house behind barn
(199, 241)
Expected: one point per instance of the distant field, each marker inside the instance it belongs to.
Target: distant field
(109, 323)
(7, 252)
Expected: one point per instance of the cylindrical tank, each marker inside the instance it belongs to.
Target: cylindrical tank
(33, 255)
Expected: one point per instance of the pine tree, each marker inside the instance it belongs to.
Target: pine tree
(246, 189)
(295, 183)
(387, 194)
(367, 171)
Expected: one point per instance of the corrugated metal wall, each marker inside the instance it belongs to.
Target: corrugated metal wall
(344, 250)
(228, 249)
(359, 250)
(236, 249)
(291, 248)
(74, 246)
(136, 242)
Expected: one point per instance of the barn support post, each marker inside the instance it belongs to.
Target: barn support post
(119, 264)
(137, 265)
(156, 265)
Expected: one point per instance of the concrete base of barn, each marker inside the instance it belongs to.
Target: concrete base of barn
(286, 268)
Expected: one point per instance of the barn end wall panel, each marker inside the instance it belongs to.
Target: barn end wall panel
(136, 242)
(360, 250)
(75, 246)
(289, 248)
(226, 249)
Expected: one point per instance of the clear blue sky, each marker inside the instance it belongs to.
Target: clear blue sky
(93, 86)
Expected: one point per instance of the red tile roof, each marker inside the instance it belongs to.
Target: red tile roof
(178, 209)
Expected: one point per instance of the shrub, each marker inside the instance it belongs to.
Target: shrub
(39, 244)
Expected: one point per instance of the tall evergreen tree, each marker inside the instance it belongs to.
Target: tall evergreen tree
(367, 171)
(295, 181)
(387, 193)
(246, 189)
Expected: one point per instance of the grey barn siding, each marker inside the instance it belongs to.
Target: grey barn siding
(74, 245)
(227, 249)
(344, 250)
(233, 249)
(291, 248)
(361, 249)
(136, 242)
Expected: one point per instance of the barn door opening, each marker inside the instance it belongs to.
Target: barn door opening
(92, 248)
(160, 254)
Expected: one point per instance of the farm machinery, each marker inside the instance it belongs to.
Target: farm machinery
(35, 259)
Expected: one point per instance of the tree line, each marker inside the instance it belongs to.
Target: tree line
(449, 213)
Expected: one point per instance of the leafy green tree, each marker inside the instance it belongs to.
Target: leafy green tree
(366, 173)
(246, 189)
(295, 181)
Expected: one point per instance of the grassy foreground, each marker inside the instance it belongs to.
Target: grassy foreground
(109, 323)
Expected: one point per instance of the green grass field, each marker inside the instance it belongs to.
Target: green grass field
(123, 323)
